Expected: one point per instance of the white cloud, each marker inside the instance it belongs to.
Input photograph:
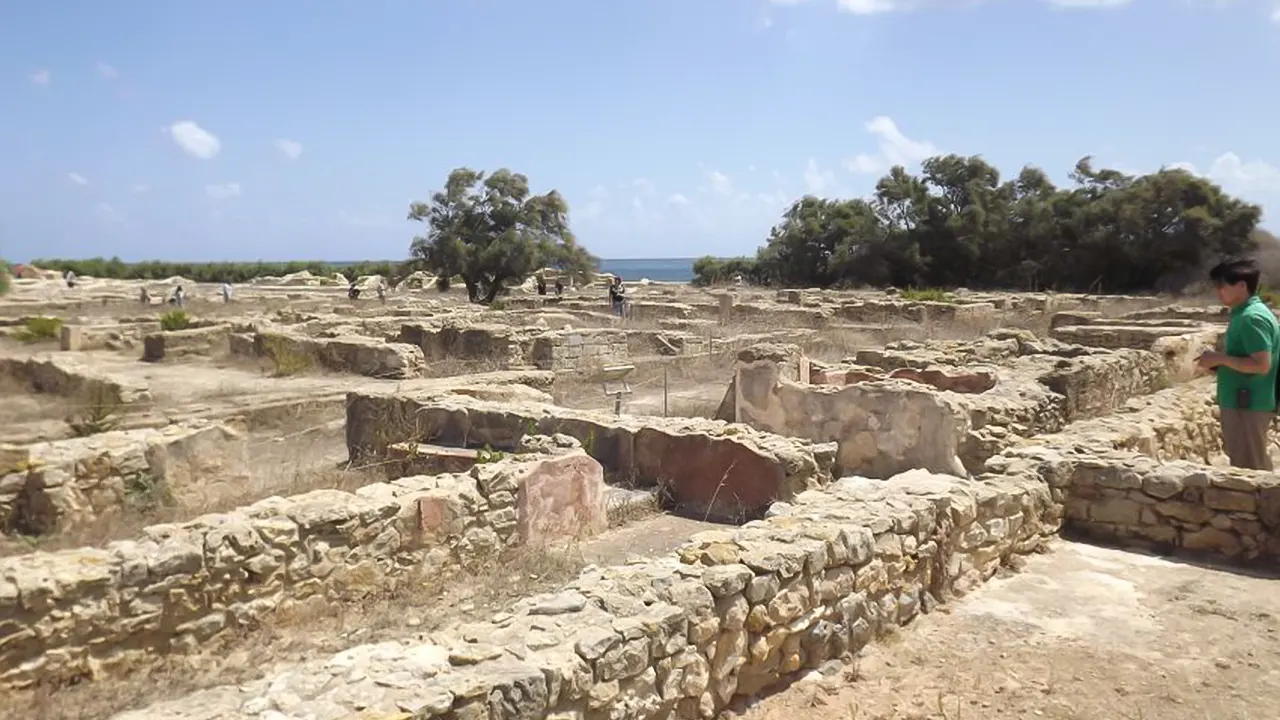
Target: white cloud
(140, 188)
(194, 140)
(678, 199)
(1275, 14)
(895, 149)
(292, 149)
(876, 7)
(1089, 3)
(1254, 176)
(41, 77)
(871, 7)
(77, 178)
(816, 180)
(107, 71)
(108, 214)
(1255, 180)
(222, 191)
(720, 183)
(644, 186)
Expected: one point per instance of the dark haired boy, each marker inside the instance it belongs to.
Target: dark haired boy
(1247, 370)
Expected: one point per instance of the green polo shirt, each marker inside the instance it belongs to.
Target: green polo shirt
(1253, 328)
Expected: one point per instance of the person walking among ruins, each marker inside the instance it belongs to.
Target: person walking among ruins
(1247, 369)
(617, 296)
(226, 292)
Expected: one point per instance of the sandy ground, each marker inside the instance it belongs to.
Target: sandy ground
(1081, 633)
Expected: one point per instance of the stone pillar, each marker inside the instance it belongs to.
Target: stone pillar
(726, 308)
(71, 337)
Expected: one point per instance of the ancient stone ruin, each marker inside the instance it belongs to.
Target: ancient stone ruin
(827, 468)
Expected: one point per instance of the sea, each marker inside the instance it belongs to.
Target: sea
(656, 269)
(677, 270)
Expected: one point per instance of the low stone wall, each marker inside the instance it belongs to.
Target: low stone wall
(502, 345)
(349, 354)
(579, 349)
(1142, 476)
(978, 411)
(706, 468)
(731, 613)
(1138, 331)
(1225, 512)
(97, 612)
(1179, 423)
(1167, 506)
(70, 377)
(880, 311)
(52, 486)
(120, 336)
(771, 392)
(208, 341)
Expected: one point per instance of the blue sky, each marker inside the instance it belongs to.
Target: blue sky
(287, 130)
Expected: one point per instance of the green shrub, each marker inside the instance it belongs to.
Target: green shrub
(99, 414)
(38, 329)
(175, 320)
(6, 280)
(285, 357)
(927, 295)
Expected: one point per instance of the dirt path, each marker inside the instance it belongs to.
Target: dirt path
(1083, 633)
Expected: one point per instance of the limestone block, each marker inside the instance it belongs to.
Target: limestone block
(71, 338)
(208, 341)
(562, 496)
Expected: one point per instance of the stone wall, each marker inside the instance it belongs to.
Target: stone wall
(502, 345)
(888, 311)
(884, 425)
(707, 468)
(730, 613)
(119, 336)
(1138, 331)
(71, 377)
(1142, 476)
(207, 341)
(96, 612)
(579, 349)
(881, 427)
(1225, 512)
(348, 354)
(52, 486)
(1179, 423)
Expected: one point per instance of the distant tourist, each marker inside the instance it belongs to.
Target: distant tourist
(353, 292)
(541, 284)
(382, 291)
(1247, 370)
(144, 297)
(70, 278)
(226, 292)
(617, 296)
(179, 297)
(559, 287)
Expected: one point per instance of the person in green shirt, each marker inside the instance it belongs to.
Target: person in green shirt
(1247, 370)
